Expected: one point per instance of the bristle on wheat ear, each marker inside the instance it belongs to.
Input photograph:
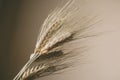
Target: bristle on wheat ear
(61, 26)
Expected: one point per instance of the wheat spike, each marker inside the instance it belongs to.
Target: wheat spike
(61, 26)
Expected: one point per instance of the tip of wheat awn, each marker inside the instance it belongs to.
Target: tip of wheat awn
(62, 26)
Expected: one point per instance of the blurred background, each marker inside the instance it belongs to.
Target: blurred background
(20, 21)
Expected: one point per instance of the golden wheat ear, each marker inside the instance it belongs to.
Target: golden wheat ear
(64, 26)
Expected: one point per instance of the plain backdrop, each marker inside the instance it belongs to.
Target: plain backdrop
(20, 21)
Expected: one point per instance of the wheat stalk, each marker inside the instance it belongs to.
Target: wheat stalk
(61, 26)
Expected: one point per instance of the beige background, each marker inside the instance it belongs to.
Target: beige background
(20, 24)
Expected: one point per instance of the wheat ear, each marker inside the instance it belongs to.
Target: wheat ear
(61, 26)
